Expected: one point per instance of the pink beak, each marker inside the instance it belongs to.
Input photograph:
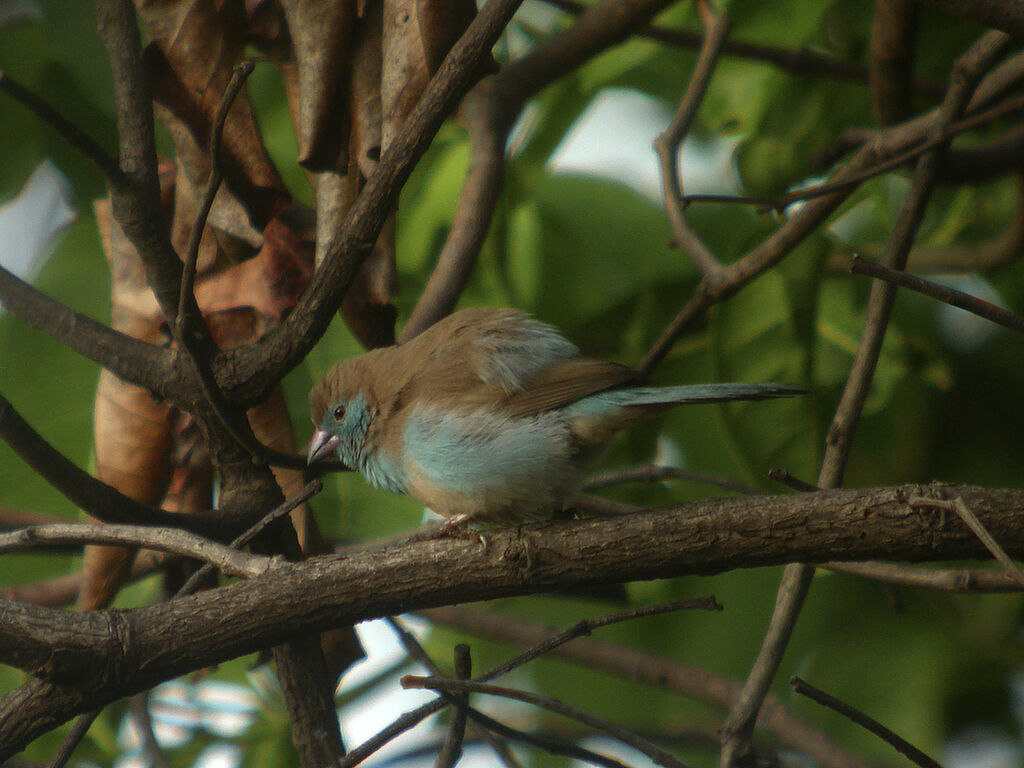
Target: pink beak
(322, 445)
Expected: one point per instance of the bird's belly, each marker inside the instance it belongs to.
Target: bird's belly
(490, 467)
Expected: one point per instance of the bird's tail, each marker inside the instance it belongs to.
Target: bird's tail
(702, 393)
(594, 419)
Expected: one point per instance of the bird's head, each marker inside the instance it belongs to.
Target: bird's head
(342, 416)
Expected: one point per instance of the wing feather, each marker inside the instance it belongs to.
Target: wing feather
(566, 382)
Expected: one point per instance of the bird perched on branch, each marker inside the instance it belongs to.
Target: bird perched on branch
(489, 416)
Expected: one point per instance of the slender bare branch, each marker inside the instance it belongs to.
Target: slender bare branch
(893, 34)
(942, 579)
(136, 205)
(226, 559)
(451, 750)
(238, 77)
(669, 143)
(901, 745)
(977, 528)
(144, 724)
(884, 164)
(800, 61)
(625, 735)
(554, 746)
(70, 132)
(942, 293)
(73, 739)
(311, 489)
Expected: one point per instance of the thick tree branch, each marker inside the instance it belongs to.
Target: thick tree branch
(300, 598)
(136, 205)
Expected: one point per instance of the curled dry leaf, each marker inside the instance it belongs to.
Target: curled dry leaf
(321, 36)
(195, 47)
(132, 431)
(270, 283)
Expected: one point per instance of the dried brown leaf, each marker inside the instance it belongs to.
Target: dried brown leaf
(195, 46)
(321, 36)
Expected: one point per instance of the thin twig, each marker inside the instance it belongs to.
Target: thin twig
(416, 651)
(451, 750)
(650, 473)
(93, 496)
(71, 133)
(668, 144)
(901, 745)
(877, 169)
(554, 746)
(781, 475)
(971, 521)
(178, 542)
(625, 735)
(73, 739)
(309, 491)
(586, 626)
(144, 724)
(959, 580)
(145, 365)
(666, 674)
(490, 111)
(951, 296)
(801, 61)
(238, 77)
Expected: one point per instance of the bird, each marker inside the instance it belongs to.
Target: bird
(490, 417)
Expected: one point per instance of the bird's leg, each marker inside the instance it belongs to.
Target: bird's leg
(456, 523)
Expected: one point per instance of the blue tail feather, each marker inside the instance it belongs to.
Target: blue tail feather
(702, 393)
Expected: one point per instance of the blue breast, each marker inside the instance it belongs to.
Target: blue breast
(478, 451)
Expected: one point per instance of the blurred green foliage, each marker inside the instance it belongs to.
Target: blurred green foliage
(591, 255)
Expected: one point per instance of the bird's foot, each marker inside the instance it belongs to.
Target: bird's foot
(459, 525)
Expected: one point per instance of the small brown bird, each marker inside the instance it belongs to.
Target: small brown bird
(489, 416)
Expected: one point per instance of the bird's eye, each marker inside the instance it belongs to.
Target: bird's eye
(339, 413)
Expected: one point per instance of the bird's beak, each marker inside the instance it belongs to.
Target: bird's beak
(323, 444)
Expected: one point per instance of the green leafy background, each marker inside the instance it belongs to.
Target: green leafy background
(592, 256)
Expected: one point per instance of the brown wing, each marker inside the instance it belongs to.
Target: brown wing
(566, 382)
